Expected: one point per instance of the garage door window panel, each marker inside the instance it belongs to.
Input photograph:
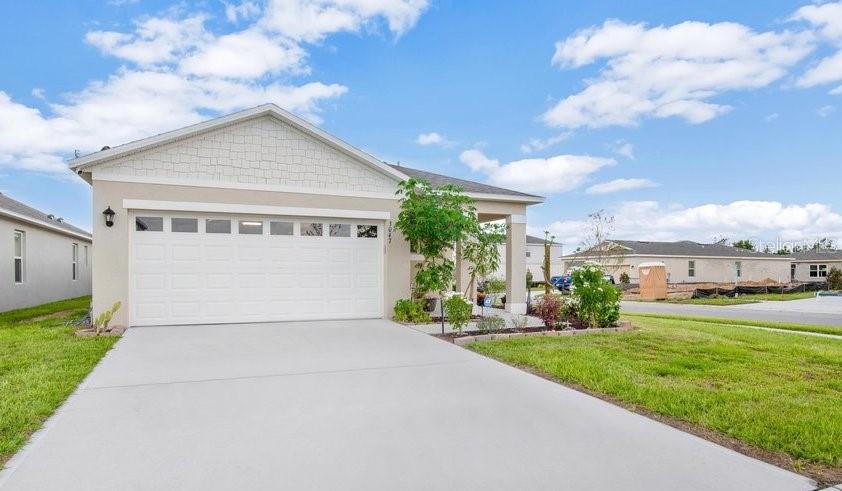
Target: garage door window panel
(367, 231)
(184, 225)
(149, 224)
(340, 230)
(281, 228)
(250, 227)
(309, 229)
(216, 226)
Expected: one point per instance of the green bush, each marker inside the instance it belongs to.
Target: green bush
(598, 300)
(491, 323)
(458, 312)
(407, 310)
(834, 279)
(548, 308)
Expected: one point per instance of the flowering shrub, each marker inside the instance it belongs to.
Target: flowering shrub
(549, 308)
(598, 300)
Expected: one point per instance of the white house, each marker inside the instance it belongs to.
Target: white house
(686, 261)
(261, 216)
(815, 264)
(46, 258)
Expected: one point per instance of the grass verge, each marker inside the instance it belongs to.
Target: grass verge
(784, 326)
(41, 363)
(772, 396)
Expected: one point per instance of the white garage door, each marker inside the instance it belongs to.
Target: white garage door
(202, 269)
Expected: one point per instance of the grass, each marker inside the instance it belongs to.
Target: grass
(41, 363)
(785, 326)
(742, 299)
(776, 392)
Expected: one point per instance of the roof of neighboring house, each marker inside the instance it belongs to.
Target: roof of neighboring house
(469, 186)
(818, 255)
(531, 239)
(684, 248)
(16, 209)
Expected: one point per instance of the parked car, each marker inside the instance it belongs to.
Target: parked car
(562, 282)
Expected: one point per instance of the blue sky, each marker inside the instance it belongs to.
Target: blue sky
(683, 119)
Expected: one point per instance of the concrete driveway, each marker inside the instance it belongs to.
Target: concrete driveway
(351, 405)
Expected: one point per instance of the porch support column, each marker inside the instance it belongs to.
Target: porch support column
(516, 264)
(463, 276)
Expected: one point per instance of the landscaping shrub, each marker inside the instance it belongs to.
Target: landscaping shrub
(491, 323)
(569, 309)
(834, 279)
(519, 321)
(624, 278)
(407, 310)
(458, 312)
(549, 309)
(598, 300)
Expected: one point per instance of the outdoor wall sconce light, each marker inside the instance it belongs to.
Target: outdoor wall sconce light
(109, 216)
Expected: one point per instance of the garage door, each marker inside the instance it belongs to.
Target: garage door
(203, 269)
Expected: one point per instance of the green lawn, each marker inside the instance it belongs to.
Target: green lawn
(742, 299)
(786, 326)
(41, 363)
(775, 391)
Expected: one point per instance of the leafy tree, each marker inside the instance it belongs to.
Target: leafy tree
(834, 279)
(783, 251)
(744, 244)
(433, 220)
(482, 251)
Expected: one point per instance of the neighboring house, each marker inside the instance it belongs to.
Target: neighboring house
(261, 216)
(686, 261)
(535, 258)
(815, 264)
(45, 258)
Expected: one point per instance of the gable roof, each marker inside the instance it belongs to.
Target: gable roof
(19, 211)
(83, 163)
(531, 239)
(683, 248)
(469, 186)
(818, 255)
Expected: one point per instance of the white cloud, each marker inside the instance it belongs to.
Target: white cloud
(624, 149)
(664, 71)
(762, 220)
(620, 185)
(433, 138)
(825, 111)
(771, 117)
(541, 176)
(827, 20)
(537, 144)
(178, 72)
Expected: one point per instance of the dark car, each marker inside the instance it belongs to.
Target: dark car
(561, 282)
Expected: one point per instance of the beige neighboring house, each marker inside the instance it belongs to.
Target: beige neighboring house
(686, 261)
(45, 258)
(261, 216)
(535, 258)
(815, 264)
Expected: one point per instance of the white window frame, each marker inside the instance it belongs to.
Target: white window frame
(87, 259)
(75, 261)
(818, 271)
(738, 269)
(691, 269)
(21, 257)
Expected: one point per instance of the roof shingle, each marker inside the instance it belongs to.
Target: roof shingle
(686, 248)
(437, 180)
(16, 207)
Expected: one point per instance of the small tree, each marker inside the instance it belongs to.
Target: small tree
(546, 267)
(834, 279)
(482, 251)
(433, 221)
(598, 247)
(744, 244)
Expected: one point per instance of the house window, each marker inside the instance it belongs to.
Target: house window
(149, 224)
(340, 230)
(311, 230)
(280, 228)
(187, 225)
(214, 226)
(738, 269)
(818, 271)
(87, 260)
(691, 269)
(251, 227)
(528, 253)
(75, 260)
(19, 250)
(367, 231)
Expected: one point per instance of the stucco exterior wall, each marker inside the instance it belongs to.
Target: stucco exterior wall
(47, 267)
(708, 270)
(262, 151)
(802, 269)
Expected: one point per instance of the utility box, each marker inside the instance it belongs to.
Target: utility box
(653, 281)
